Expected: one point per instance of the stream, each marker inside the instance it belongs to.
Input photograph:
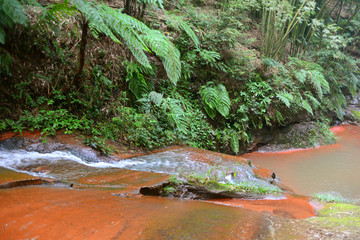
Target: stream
(103, 200)
(333, 168)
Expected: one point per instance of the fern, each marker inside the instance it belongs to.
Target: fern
(305, 104)
(312, 99)
(11, 12)
(209, 56)
(215, 99)
(178, 23)
(234, 141)
(301, 75)
(138, 37)
(155, 3)
(171, 108)
(319, 82)
(137, 83)
(156, 98)
(223, 105)
(285, 97)
(169, 54)
(175, 114)
(210, 100)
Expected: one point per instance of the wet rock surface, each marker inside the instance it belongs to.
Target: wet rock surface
(298, 135)
(106, 204)
(190, 191)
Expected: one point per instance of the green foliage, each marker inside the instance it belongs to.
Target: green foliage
(137, 82)
(140, 130)
(215, 99)
(122, 93)
(178, 23)
(211, 182)
(11, 12)
(138, 37)
(48, 121)
(99, 143)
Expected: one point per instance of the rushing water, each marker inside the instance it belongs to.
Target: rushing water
(329, 168)
(66, 166)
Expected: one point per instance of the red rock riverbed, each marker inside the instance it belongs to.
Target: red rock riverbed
(108, 206)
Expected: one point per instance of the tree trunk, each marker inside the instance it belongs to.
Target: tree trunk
(84, 27)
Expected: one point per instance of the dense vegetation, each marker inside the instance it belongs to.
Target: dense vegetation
(151, 73)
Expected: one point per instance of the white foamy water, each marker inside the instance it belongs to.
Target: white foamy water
(161, 163)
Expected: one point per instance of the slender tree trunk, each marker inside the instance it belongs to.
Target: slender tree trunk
(350, 18)
(84, 27)
(339, 14)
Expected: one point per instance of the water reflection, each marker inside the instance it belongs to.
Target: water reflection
(329, 168)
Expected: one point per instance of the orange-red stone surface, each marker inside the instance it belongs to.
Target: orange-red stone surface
(90, 210)
(55, 213)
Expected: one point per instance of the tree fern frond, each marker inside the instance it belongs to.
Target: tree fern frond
(172, 65)
(138, 86)
(223, 106)
(157, 42)
(178, 23)
(59, 11)
(155, 3)
(14, 11)
(94, 16)
(168, 53)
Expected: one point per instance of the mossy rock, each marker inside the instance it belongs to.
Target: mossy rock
(356, 115)
(339, 216)
(301, 135)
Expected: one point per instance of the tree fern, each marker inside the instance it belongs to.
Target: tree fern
(168, 53)
(136, 35)
(215, 99)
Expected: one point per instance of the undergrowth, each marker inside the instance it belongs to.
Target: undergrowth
(206, 74)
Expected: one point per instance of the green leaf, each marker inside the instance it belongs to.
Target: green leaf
(2, 35)
(307, 106)
(223, 106)
(285, 97)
